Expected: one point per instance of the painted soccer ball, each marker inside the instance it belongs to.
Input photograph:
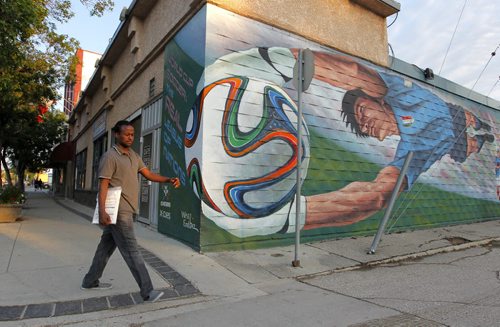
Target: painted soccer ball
(241, 147)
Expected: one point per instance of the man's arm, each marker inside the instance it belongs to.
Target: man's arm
(354, 202)
(148, 174)
(104, 218)
(346, 73)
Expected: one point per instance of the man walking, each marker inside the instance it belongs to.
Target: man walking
(119, 167)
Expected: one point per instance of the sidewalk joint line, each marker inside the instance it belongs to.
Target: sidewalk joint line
(24, 311)
(13, 246)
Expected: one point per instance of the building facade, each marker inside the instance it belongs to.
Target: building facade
(208, 86)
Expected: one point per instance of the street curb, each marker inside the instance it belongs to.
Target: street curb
(402, 258)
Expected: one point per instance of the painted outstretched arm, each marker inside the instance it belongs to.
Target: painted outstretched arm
(354, 202)
(346, 73)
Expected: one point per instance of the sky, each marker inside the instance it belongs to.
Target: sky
(424, 33)
(424, 29)
(93, 33)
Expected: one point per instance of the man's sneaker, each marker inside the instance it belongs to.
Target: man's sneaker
(100, 286)
(483, 125)
(153, 296)
(481, 139)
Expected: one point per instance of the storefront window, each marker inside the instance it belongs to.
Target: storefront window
(100, 146)
(80, 169)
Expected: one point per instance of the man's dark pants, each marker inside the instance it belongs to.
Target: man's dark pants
(122, 236)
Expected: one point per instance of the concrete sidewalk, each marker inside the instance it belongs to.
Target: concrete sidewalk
(45, 254)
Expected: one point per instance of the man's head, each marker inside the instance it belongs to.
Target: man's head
(124, 133)
(367, 116)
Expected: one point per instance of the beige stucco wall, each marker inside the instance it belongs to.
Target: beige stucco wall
(130, 92)
(83, 142)
(147, 33)
(136, 93)
(340, 24)
(162, 20)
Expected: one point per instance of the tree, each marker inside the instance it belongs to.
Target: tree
(31, 144)
(34, 61)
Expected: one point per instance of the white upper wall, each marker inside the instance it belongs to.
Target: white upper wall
(88, 66)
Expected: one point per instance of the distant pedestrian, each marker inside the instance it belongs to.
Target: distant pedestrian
(119, 166)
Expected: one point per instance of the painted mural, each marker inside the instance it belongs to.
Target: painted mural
(179, 211)
(239, 150)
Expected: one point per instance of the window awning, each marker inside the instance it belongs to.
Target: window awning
(63, 153)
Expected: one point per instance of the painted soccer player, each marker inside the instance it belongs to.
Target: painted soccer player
(378, 105)
(374, 104)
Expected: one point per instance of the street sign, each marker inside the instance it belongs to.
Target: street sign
(307, 70)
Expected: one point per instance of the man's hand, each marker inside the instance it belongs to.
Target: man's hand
(159, 178)
(175, 182)
(104, 219)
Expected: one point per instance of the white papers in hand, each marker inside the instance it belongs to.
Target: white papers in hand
(112, 204)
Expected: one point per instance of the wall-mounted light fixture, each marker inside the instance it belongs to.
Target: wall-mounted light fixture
(428, 73)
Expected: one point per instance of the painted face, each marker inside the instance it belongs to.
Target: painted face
(374, 119)
(126, 136)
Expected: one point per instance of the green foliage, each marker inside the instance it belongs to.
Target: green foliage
(34, 63)
(31, 144)
(11, 195)
(98, 7)
(30, 46)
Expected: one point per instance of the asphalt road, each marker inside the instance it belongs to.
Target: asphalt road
(449, 289)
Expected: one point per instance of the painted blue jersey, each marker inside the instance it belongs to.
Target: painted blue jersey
(424, 122)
